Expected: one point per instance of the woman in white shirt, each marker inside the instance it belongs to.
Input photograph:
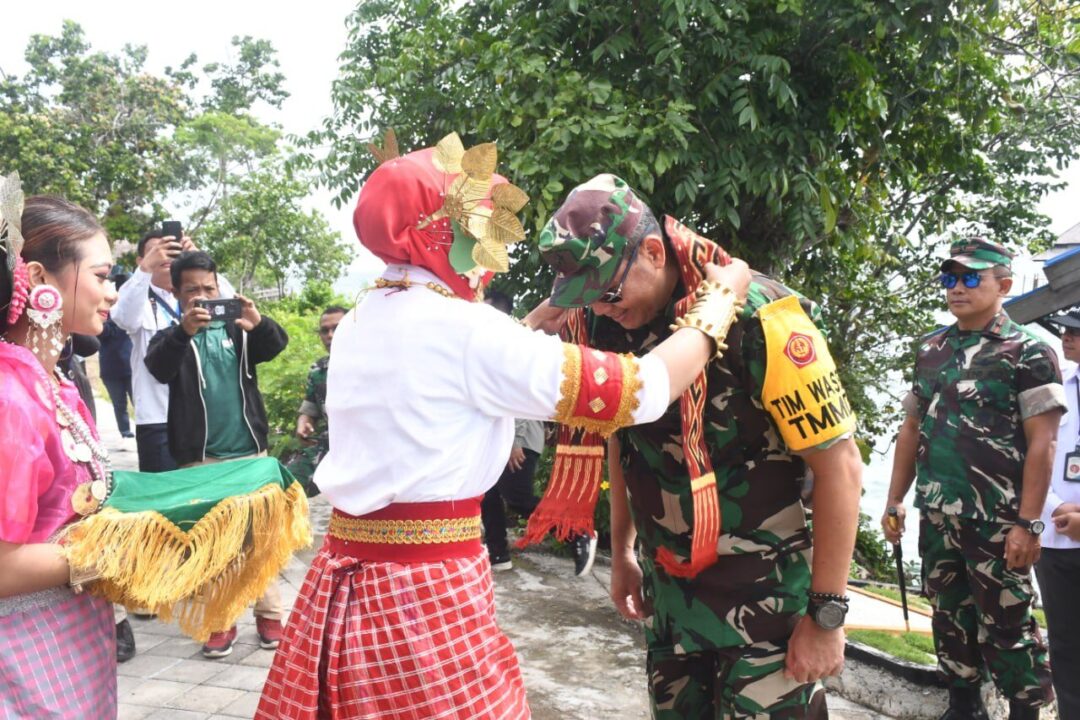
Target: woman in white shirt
(396, 616)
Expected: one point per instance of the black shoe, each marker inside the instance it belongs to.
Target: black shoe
(965, 704)
(1018, 711)
(501, 561)
(125, 641)
(584, 547)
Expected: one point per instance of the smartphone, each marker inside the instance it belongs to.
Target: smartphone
(229, 309)
(173, 228)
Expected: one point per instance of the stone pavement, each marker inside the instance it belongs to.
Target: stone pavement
(579, 659)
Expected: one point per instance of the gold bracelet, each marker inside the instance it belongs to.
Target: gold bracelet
(715, 310)
(78, 577)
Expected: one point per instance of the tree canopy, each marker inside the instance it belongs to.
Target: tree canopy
(833, 144)
(136, 147)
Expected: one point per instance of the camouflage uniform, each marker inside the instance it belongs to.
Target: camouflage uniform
(732, 621)
(716, 641)
(314, 406)
(971, 393)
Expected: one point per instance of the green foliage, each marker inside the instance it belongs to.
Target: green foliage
(282, 381)
(102, 131)
(91, 127)
(262, 236)
(912, 647)
(871, 551)
(836, 145)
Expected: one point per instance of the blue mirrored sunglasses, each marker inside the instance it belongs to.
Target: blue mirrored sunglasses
(971, 279)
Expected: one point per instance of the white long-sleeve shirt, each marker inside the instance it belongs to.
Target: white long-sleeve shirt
(422, 392)
(141, 319)
(1062, 490)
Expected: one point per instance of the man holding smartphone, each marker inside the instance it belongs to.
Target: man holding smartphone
(145, 305)
(216, 411)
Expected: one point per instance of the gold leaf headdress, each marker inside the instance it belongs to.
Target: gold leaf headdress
(481, 234)
(11, 208)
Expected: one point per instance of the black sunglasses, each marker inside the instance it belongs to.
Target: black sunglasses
(614, 296)
(971, 279)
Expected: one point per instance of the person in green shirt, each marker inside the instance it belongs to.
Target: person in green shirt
(216, 411)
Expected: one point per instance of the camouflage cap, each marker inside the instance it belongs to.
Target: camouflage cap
(587, 237)
(977, 254)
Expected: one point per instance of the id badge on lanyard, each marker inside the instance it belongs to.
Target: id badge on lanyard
(1072, 459)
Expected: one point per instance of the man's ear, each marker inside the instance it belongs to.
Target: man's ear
(652, 247)
(1006, 284)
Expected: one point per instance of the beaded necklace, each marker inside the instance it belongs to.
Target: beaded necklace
(80, 446)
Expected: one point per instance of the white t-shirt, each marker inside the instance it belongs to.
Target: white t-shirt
(1062, 490)
(422, 392)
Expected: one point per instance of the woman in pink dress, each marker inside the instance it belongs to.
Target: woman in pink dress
(57, 646)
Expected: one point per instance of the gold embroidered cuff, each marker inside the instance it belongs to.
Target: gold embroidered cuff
(599, 390)
(715, 310)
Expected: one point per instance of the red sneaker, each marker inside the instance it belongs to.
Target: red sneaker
(269, 632)
(220, 644)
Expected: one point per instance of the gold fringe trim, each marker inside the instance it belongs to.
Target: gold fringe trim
(203, 578)
(571, 384)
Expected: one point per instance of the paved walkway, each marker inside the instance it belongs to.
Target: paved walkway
(580, 660)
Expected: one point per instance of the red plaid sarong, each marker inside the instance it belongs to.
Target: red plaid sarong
(58, 659)
(401, 641)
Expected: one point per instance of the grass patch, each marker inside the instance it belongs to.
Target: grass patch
(914, 601)
(912, 647)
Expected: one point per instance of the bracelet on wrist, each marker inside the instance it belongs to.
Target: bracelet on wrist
(826, 597)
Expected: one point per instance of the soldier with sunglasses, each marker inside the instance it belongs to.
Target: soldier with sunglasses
(978, 440)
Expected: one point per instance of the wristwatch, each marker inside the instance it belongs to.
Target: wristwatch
(1035, 527)
(827, 610)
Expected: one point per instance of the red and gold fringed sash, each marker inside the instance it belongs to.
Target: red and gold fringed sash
(569, 502)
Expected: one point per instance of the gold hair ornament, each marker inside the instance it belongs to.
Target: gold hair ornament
(11, 209)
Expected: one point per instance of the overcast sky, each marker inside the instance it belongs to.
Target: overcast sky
(308, 40)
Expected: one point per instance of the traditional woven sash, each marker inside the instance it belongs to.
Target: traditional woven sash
(569, 502)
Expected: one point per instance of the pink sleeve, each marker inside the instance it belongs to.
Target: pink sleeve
(25, 470)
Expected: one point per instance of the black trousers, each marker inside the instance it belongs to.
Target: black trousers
(516, 489)
(1059, 579)
(153, 444)
(119, 392)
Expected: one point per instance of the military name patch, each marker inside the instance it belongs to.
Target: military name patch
(800, 349)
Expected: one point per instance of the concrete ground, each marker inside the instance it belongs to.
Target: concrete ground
(579, 659)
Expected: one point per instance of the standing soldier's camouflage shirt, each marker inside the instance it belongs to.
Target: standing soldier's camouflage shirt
(314, 404)
(971, 394)
(756, 591)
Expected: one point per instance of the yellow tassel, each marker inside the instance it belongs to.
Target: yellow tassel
(205, 577)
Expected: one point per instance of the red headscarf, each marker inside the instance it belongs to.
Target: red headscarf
(397, 197)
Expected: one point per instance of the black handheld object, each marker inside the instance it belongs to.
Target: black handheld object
(898, 553)
(172, 228)
(230, 309)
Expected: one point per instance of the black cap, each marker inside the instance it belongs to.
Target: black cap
(1068, 320)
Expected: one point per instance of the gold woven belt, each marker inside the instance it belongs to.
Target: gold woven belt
(405, 532)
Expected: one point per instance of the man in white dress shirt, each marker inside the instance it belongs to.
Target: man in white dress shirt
(1058, 569)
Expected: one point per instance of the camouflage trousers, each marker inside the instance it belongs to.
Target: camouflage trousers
(303, 463)
(982, 610)
(746, 681)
